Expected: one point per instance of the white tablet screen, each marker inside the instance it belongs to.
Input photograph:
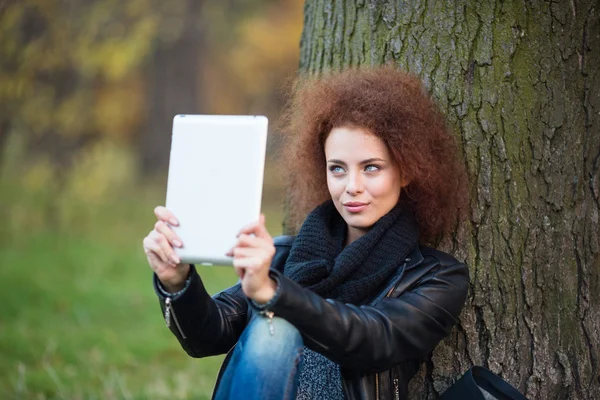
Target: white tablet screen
(215, 181)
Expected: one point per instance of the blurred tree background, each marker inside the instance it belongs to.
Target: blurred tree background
(88, 90)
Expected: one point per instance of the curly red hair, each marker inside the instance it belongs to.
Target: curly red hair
(392, 105)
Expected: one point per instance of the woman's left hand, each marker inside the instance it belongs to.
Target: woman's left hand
(252, 256)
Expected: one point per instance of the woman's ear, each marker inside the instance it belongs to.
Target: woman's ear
(404, 180)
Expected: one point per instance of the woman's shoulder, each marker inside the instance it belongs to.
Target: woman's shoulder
(284, 241)
(433, 268)
(427, 264)
(443, 266)
(442, 258)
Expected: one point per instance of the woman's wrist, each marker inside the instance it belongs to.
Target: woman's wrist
(172, 288)
(177, 284)
(266, 294)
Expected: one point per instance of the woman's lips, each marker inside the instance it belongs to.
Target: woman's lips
(355, 207)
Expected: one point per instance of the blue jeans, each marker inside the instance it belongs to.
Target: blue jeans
(263, 366)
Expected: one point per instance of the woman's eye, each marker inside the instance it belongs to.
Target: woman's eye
(336, 169)
(371, 168)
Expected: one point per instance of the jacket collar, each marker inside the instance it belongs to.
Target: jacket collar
(415, 258)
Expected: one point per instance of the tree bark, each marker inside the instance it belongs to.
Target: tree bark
(519, 82)
(172, 86)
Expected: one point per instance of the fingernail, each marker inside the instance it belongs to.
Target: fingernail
(173, 221)
(177, 243)
(175, 258)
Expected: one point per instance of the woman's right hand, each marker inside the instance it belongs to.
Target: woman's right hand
(159, 248)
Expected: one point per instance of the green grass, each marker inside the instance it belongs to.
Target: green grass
(78, 315)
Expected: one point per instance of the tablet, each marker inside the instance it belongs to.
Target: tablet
(215, 180)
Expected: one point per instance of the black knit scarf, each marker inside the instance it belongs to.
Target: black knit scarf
(358, 272)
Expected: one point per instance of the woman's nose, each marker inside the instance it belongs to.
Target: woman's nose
(354, 185)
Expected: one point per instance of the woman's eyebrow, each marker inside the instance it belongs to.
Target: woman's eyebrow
(367, 161)
(370, 160)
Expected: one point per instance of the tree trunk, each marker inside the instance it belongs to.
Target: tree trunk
(172, 86)
(520, 84)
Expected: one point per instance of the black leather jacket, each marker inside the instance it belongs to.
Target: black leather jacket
(379, 348)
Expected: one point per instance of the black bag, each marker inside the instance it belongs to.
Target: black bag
(479, 383)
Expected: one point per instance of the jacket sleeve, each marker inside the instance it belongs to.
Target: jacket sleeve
(205, 325)
(371, 339)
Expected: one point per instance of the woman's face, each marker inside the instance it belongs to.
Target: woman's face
(363, 181)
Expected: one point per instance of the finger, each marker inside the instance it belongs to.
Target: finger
(151, 247)
(257, 229)
(261, 230)
(171, 236)
(248, 229)
(248, 263)
(241, 252)
(256, 242)
(246, 240)
(164, 244)
(165, 215)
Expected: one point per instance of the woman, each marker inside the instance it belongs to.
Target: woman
(350, 306)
